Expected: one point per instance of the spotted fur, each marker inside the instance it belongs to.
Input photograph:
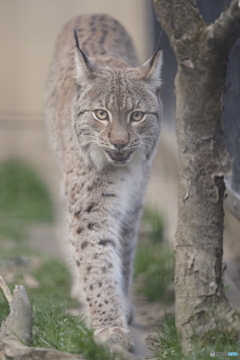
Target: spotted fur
(105, 164)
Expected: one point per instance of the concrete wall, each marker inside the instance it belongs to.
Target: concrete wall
(28, 29)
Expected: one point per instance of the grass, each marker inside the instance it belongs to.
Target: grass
(153, 221)
(55, 280)
(154, 272)
(169, 347)
(53, 326)
(23, 199)
(4, 307)
(154, 261)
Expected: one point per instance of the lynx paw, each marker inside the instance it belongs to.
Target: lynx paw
(119, 335)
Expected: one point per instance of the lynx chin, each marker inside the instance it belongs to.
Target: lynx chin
(103, 113)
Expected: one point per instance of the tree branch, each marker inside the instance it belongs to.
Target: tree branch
(18, 325)
(5, 289)
(178, 17)
(226, 29)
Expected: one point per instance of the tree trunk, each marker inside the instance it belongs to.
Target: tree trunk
(202, 54)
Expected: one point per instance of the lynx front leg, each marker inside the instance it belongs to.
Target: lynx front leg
(98, 261)
(129, 240)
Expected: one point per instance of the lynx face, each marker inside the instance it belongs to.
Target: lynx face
(117, 112)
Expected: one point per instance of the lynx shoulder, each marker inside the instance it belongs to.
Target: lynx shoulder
(103, 114)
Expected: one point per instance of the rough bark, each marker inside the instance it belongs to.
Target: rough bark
(16, 330)
(202, 55)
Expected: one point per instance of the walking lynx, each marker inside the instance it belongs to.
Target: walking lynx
(103, 113)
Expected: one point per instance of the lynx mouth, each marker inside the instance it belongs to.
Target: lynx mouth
(118, 156)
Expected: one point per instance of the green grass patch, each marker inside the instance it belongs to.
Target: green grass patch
(24, 199)
(55, 280)
(169, 346)
(153, 221)
(53, 326)
(51, 274)
(154, 272)
(3, 306)
(154, 260)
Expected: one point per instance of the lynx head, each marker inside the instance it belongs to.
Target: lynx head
(117, 110)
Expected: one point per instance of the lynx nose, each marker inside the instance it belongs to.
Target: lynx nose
(119, 144)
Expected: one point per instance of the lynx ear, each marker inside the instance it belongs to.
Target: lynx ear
(151, 70)
(84, 66)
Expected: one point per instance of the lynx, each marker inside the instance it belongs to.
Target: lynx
(103, 113)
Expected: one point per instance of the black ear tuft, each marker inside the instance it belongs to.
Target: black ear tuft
(78, 47)
(153, 58)
(151, 69)
(76, 39)
(159, 43)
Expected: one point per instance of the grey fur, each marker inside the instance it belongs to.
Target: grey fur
(105, 164)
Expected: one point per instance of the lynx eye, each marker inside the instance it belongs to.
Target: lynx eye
(101, 114)
(137, 115)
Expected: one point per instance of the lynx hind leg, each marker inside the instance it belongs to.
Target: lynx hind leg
(128, 257)
(68, 250)
(77, 291)
(130, 312)
(129, 240)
